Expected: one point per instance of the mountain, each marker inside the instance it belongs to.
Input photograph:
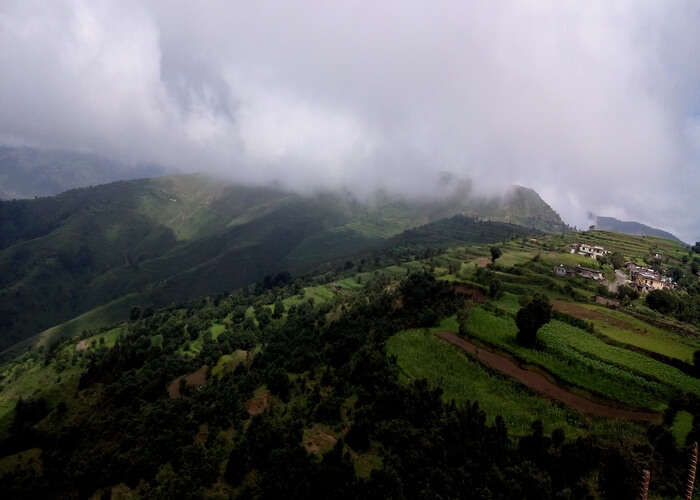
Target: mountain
(632, 228)
(28, 172)
(153, 242)
(521, 206)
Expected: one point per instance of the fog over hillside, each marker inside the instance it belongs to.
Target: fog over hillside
(594, 105)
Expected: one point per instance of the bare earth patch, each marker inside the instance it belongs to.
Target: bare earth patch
(194, 379)
(482, 262)
(541, 384)
(258, 403)
(317, 440)
(82, 345)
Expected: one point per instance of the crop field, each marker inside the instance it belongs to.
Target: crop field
(627, 329)
(513, 257)
(509, 302)
(422, 355)
(582, 360)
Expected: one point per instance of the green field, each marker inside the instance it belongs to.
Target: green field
(422, 355)
(627, 329)
(582, 360)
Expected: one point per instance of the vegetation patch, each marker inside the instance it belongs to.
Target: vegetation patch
(682, 425)
(228, 362)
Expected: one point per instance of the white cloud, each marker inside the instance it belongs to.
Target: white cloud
(593, 104)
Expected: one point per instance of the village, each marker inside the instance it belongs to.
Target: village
(641, 278)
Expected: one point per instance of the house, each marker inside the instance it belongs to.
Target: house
(646, 279)
(587, 250)
(592, 274)
(564, 271)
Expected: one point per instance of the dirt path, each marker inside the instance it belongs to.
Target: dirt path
(541, 384)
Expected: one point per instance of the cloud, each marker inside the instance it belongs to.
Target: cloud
(595, 104)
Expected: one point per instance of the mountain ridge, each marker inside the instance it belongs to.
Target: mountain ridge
(175, 237)
(633, 228)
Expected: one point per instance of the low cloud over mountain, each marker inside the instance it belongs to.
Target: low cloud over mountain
(594, 105)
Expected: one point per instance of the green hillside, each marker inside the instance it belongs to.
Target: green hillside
(341, 372)
(166, 240)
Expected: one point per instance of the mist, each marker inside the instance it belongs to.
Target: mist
(593, 104)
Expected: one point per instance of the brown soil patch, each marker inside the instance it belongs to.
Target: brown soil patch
(258, 404)
(194, 379)
(82, 345)
(581, 312)
(473, 293)
(539, 383)
(482, 262)
(316, 440)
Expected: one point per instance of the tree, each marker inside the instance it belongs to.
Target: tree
(135, 313)
(617, 260)
(663, 301)
(531, 318)
(495, 254)
(626, 294)
(696, 247)
(462, 319)
(696, 362)
(496, 289)
(278, 311)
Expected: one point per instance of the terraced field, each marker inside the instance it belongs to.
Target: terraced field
(579, 359)
(422, 355)
(627, 329)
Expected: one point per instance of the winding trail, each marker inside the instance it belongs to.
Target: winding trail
(539, 383)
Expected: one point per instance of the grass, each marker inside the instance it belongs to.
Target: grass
(229, 362)
(421, 355)
(217, 329)
(682, 425)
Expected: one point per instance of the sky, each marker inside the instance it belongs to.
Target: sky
(596, 105)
